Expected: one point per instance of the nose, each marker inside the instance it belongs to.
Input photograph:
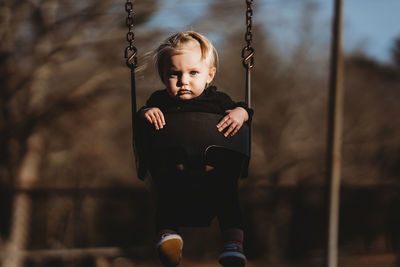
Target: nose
(184, 79)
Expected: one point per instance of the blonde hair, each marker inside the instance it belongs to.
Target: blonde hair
(177, 42)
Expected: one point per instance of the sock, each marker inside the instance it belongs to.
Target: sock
(166, 231)
(233, 235)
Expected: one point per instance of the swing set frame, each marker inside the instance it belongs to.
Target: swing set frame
(335, 110)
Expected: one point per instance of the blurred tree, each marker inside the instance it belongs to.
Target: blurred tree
(370, 100)
(57, 58)
(50, 63)
(396, 51)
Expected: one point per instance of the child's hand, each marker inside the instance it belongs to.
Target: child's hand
(155, 116)
(234, 119)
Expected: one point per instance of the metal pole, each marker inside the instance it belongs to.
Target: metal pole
(248, 87)
(335, 126)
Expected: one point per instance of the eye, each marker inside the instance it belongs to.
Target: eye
(173, 73)
(193, 72)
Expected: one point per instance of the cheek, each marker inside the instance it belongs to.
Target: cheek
(169, 82)
(171, 87)
(172, 83)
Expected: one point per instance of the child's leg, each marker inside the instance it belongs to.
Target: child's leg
(230, 220)
(228, 207)
(233, 234)
(170, 244)
(225, 190)
(166, 215)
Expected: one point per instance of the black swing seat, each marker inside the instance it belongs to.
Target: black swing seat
(191, 138)
(193, 133)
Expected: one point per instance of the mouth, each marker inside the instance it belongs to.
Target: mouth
(184, 92)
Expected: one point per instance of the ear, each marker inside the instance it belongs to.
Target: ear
(211, 74)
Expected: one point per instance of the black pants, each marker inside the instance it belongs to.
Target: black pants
(194, 198)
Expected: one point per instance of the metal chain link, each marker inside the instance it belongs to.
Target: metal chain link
(248, 50)
(130, 50)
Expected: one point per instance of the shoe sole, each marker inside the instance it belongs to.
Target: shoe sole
(170, 250)
(232, 259)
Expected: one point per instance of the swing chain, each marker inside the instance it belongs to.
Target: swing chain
(130, 50)
(248, 50)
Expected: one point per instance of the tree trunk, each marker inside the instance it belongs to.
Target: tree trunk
(22, 203)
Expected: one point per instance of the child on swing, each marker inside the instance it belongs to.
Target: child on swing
(186, 64)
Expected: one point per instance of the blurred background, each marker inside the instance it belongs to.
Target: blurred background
(69, 195)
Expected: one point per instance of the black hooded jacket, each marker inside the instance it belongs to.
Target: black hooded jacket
(210, 101)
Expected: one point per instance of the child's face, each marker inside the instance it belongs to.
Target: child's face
(187, 73)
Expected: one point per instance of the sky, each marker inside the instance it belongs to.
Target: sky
(369, 25)
(376, 22)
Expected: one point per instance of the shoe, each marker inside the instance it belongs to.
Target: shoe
(170, 249)
(232, 256)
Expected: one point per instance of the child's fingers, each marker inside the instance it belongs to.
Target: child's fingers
(149, 117)
(162, 118)
(221, 122)
(153, 119)
(156, 117)
(236, 130)
(225, 122)
(155, 122)
(158, 121)
(233, 120)
(231, 128)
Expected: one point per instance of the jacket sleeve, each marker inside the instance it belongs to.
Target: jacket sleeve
(227, 103)
(155, 100)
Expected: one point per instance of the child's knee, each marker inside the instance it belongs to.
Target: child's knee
(180, 167)
(209, 168)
